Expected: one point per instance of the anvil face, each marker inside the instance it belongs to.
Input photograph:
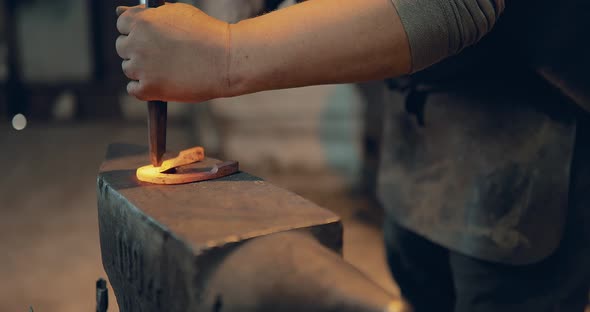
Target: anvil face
(160, 242)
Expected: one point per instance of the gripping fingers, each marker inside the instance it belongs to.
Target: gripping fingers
(136, 89)
(121, 45)
(124, 25)
(126, 18)
(132, 88)
(129, 70)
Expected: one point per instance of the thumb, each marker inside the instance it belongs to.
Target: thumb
(121, 9)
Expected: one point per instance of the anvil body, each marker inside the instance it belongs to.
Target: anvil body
(232, 244)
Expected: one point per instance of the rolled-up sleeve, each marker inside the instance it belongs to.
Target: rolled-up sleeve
(437, 29)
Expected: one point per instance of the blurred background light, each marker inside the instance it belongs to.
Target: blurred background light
(19, 122)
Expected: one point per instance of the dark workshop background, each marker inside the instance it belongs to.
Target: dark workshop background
(62, 101)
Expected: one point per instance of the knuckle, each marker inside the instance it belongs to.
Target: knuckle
(120, 24)
(122, 21)
(132, 88)
(128, 71)
(119, 46)
(141, 21)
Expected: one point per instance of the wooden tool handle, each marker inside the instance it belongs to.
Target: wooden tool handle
(157, 117)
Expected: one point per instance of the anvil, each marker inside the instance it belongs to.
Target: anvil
(233, 244)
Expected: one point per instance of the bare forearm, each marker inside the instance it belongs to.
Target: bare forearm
(318, 42)
(178, 53)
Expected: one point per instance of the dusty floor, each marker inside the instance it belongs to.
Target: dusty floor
(50, 256)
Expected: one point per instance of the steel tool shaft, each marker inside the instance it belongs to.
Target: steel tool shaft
(157, 117)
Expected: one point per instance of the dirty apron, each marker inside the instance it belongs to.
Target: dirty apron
(480, 166)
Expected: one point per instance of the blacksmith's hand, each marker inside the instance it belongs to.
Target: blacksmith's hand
(173, 53)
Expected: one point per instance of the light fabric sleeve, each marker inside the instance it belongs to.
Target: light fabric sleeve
(437, 29)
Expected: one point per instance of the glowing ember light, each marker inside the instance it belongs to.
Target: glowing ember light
(19, 122)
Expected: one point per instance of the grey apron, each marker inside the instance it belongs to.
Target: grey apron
(486, 174)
